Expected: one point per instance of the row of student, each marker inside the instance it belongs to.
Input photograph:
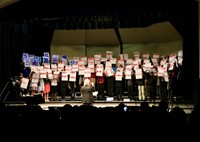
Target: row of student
(148, 85)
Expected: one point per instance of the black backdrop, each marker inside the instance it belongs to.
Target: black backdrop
(28, 26)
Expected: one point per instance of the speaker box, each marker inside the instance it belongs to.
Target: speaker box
(34, 100)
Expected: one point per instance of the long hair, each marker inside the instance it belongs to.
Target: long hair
(86, 82)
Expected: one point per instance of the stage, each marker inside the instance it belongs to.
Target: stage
(187, 106)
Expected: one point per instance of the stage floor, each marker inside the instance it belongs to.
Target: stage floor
(107, 102)
(187, 106)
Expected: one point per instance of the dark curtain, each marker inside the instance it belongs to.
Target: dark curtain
(18, 38)
(13, 40)
(190, 34)
(40, 36)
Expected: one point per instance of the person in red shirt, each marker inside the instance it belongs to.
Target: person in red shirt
(100, 81)
(93, 78)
